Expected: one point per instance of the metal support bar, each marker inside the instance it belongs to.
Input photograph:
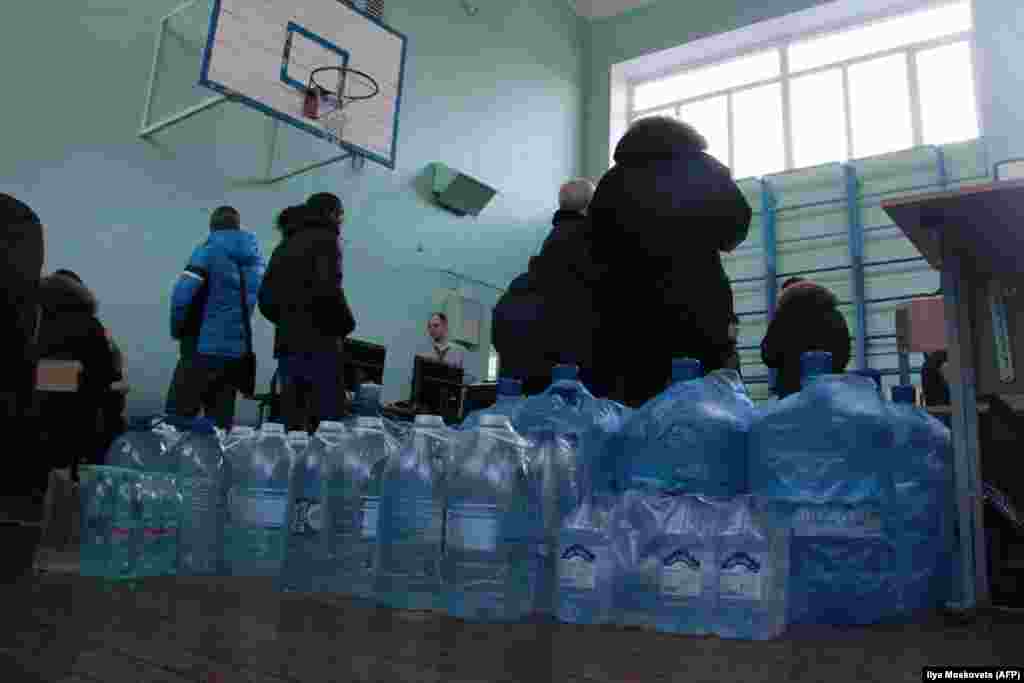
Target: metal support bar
(182, 115)
(894, 261)
(974, 573)
(357, 163)
(771, 256)
(811, 271)
(855, 226)
(810, 205)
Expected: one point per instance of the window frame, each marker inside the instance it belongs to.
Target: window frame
(786, 75)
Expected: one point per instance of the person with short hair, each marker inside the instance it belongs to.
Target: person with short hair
(661, 218)
(547, 315)
(807, 318)
(207, 311)
(303, 296)
(441, 349)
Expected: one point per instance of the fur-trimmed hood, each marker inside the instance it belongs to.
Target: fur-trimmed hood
(64, 294)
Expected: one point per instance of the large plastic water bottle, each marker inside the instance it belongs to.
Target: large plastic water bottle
(752, 558)
(585, 565)
(306, 554)
(677, 573)
(258, 502)
(410, 529)
(354, 480)
(692, 437)
(509, 401)
(485, 564)
(97, 486)
(202, 480)
(829, 443)
(923, 503)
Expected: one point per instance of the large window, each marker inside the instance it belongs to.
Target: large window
(870, 89)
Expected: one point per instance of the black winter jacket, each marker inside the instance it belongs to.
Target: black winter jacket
(302, 293)
(661, 216)
(807, 319)
(21, 260)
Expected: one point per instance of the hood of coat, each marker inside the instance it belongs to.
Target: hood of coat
(808, 293)
(658, 138)
(241, 245)
(64, 294)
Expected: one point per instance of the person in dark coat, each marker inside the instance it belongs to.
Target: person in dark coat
(934, 383)
(807, 318)
(302, 296)
(661, 217)
(21, 264)
(546, 315)
(71, 330)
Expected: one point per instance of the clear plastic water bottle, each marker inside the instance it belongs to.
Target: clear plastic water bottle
(135, 525)
(692, 437)
(752, 566)
(354, 481)
(305, 558)
(487, 525)
(258, 502)
(411, 522)
(509, 401)
(585, 565)
(202, 480)
(97, 485)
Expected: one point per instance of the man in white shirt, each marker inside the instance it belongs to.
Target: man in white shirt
(442, 350)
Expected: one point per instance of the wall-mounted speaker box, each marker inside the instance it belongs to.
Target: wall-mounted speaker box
(458, 192)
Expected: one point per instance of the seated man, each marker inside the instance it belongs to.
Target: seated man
(807, 318)
(441, 349)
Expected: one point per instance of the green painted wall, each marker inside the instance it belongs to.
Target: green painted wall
(669, 23)
(125, 213)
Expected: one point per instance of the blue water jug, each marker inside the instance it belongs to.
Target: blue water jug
(487, 525)
(410, 529)
(692, 437)
(585, 562)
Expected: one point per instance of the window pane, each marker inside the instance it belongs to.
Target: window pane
(818, 120)
(757, 131)
(948, 107)
(880, 106)
(711, 119)
(882, 35)
(696, 82)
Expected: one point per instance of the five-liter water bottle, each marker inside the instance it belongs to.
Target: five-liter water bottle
(258, 502)
(410, 530)
(98, 487)
(674, 574)
(752, 567)
(355, 472)
(691, 438)
(306, 554)
(202, 481)
(553, 479)
(585, 563)
(508, 402)
(485, 561)
(924, 503)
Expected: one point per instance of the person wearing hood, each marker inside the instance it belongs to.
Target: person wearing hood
(807, 318)
(70, 330)
(660, 219)
(546, 316)
(208, 295)
(302, 295)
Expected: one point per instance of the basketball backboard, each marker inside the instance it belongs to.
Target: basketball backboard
(260, 54)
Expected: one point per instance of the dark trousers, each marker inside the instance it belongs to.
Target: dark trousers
(312, 386)
(201, 384)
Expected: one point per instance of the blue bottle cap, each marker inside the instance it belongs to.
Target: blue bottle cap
(509, 387)
(685, 369)
(872, 374)
(904, 393)
(814, 363)
(564, 372)
(203, 425)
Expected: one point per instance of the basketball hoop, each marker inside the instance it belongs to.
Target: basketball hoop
(326, 101)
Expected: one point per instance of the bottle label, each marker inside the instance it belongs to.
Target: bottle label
(307, 517)
(681, 575)
(259, 507)
(417, 520)
(473, 527)
(740, 578)
(371, 510)
(847, 521)
(577, 568)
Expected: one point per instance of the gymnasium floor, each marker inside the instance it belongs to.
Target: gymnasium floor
(58, 626)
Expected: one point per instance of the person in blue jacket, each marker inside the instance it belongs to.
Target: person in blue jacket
(206, 306)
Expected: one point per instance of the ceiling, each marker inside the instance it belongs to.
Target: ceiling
(598, 9)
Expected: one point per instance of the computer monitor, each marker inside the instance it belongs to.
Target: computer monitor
(437, 389)
(364, 363)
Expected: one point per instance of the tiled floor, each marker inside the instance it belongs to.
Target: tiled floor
(62, 627)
